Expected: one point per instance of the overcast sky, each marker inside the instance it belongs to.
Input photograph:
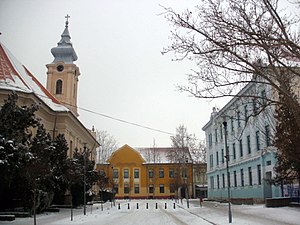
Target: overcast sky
(123, 73)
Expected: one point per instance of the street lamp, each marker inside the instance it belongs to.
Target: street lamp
(228, 176)
(84, 179)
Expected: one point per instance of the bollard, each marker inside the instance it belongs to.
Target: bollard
(128, 206)
(156, 205)
(137, 205)
(119, 207)
(165, 205)
(147, 205)
(174, 205)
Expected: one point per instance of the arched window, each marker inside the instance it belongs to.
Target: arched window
(58, 87)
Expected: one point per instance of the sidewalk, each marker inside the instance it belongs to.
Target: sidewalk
(217, 213)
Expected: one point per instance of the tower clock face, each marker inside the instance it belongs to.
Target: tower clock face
(60, 68)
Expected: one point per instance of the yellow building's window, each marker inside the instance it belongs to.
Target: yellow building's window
(126, 173)
(116, 173)
(161, 188)
(151, 188)
(126, 188)
(150, 173)
(136, 173)
(171, 173)
(116, 188)
(161, 173)
(136, 188)
(184, 172)
(102, 173)
(172, 188)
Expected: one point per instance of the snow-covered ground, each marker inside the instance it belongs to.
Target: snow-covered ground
(210, 213)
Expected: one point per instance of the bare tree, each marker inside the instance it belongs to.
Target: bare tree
(194, 148)
(198, 151)
(237, 42)
(152, 154)
(240, 45)
(108, 145)
(181, 156)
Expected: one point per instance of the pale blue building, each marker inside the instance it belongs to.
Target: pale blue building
(249, 142)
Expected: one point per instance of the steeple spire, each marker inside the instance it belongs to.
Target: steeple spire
(67, 21)
(64, 52)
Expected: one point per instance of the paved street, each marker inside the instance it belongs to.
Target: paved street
(210, 213)
(123, 216)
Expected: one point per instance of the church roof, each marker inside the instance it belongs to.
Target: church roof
(64, 52)
(16, 77)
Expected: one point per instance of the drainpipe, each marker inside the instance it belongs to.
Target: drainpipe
(54, 127)
(263, 168)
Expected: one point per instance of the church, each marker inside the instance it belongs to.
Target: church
(58, 100)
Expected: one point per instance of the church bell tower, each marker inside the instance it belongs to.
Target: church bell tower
(62, 74)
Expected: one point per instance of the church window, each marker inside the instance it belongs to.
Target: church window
(58, 87)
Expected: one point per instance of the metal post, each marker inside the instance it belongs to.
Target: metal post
(84, 179)
(228, 176)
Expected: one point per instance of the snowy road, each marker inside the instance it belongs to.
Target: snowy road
(124, 216)
(210, 213)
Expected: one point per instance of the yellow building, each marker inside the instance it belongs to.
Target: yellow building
(58, 103)
(132, 173)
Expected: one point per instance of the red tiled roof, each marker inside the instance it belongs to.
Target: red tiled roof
(15, 76)
(42, 87)
(6, 68)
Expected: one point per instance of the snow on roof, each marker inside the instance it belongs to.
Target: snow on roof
(16, 77)
(163, 155)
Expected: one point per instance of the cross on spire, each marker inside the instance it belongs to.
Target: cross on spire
(67, 21)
